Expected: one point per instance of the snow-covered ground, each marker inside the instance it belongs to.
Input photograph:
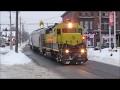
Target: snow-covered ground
(104, 56)
(9, 57)
(17, 65)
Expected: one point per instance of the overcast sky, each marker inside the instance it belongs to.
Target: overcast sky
(32, 17)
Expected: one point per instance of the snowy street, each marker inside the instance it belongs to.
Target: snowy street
(28, 64)
(27, 71)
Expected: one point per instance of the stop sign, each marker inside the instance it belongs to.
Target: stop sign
(111, 18)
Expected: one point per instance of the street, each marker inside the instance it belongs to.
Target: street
(89, 70)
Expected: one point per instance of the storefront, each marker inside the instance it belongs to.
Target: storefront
(89, 40)
(105, 38)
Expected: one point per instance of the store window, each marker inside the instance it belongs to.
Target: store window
(91, 24)
(81, 23)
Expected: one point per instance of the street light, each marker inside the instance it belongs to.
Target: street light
(11, 44)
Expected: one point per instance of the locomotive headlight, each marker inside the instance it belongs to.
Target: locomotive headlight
(82, 50)
(70, 25)
(83, 37)
(66, 51)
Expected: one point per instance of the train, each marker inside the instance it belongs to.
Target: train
(63, 42)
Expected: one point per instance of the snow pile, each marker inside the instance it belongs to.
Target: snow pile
(104, 56)
(12, 58)
(4, 50)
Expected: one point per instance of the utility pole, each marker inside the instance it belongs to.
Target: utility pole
(11, 46)
(100, 28)
(73, 16)
(20, 31)
(114, 30)
(118, 40)
(47, 25)
(16, 42)
(0, 26)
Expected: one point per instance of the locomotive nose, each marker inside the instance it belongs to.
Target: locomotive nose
(72, 39)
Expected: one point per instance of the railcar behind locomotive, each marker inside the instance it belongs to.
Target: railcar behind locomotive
(62, 42)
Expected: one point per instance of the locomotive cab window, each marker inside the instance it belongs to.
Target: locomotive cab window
(80, 31)
(69, 30)
(49, 30)
(59, 31)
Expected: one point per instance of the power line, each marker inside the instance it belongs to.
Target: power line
(47, 18)
(28, 24)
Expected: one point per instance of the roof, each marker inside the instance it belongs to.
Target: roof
(65, 13)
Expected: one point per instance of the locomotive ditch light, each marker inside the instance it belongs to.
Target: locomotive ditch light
(66, 51)
(83, 37)
(82, 50)
(41, 25)
(70, 25)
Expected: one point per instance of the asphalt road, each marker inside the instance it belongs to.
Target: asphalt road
(89, 70)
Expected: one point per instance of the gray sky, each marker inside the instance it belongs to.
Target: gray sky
(32, 17)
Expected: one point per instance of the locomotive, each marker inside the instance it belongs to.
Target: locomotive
(63, 42)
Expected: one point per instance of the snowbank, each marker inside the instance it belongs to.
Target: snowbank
(104, 56)
(4, 50)
(12, 58)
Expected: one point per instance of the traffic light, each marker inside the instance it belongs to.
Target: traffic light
(41, 23)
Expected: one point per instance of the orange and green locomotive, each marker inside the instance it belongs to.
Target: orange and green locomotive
(62, 42)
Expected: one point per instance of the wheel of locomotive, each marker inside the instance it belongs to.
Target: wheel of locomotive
(33, 48)
(76, 63)
(40, 52)
(58, 58)
(53, 55)
(66, 62)
(30, 47)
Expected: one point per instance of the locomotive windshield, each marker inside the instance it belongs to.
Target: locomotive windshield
(69, 30)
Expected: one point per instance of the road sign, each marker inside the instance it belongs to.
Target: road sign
(111, 18)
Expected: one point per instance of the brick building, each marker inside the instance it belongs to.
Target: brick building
(90, 22)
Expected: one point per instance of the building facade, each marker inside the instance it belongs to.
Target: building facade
(90, 22)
